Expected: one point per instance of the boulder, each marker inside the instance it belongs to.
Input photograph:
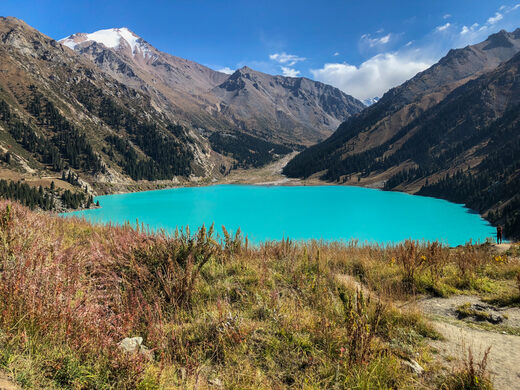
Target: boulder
(414, 366)
(135, 345)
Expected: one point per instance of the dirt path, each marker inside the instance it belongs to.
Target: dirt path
(270, 174)
(504, 358)
(6, 384)
(501, 248)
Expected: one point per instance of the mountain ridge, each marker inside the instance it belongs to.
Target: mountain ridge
(200, 95)
(403, 143)
(60, 112)
(109, 117)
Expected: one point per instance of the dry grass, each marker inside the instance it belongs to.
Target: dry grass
(215, 310)
(471, 375)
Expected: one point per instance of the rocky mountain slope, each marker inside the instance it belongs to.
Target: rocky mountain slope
(458, 118)
(288, 111)
(60, 113)
(108, 107)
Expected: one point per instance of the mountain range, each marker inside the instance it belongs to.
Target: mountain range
(113, 109)
(452, 131)
(108, 110)
(59, 112)
(286, 110)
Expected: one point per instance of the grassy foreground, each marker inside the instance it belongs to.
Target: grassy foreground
(217, 313)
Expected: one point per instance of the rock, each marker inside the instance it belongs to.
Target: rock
(216, 382)
(414, 366)
(131, 344)
(479, 312)
(495, 318)
(135, 344)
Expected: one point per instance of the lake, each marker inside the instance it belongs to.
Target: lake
(299, 212)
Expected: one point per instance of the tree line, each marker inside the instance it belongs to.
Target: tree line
(47, 199)
(165, 147)
(73, 145)
(246, 149)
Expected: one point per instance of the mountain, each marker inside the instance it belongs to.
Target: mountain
(108, 110)
(287, 109)
(398, 107)
(284, 110)
(175, 84)
(451, 131)
(368, 102)
(59, 113)
(475, 157)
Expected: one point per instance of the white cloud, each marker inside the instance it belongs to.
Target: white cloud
(379, 73)
(474, 27)
(336, 54)
(379, 41)
(498, 17)
(477, 33)
(373, 77)
(290, 72)
(385, 39)
(286, 59)
(444, 27)
(226, 70)
(447, 16)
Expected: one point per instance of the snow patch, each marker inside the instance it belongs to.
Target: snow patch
(111, 38)
(69, 43)
(370, 101)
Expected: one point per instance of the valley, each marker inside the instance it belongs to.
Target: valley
(99, 113)
(449, 132)
(259, 195)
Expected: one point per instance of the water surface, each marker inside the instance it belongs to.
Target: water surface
(300, 212)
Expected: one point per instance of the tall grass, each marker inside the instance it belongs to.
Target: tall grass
(471, 375)
(283, 314)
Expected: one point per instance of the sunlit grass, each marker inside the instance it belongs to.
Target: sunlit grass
(218, 311)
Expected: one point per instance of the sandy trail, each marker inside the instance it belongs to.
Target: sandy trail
(504, 358)
(504, 247)
(270, 174)
(6, 384)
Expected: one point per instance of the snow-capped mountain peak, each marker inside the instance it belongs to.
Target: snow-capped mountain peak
(370, 101)
(113, 38)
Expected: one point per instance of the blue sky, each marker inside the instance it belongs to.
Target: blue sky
(362, 47)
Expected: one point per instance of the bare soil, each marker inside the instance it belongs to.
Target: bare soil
(270, 174)
(504, 358)
(6, 383)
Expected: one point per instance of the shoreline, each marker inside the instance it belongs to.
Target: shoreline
(269, 175)
(287, 182)
(340, 191)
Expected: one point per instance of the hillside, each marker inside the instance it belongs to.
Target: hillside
(59, 113)
(460, 117)
(285, 110)
(115, 113)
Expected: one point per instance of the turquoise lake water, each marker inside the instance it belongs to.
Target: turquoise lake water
(303, 212)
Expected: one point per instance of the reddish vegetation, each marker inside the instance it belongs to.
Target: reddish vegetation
(279, 315)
